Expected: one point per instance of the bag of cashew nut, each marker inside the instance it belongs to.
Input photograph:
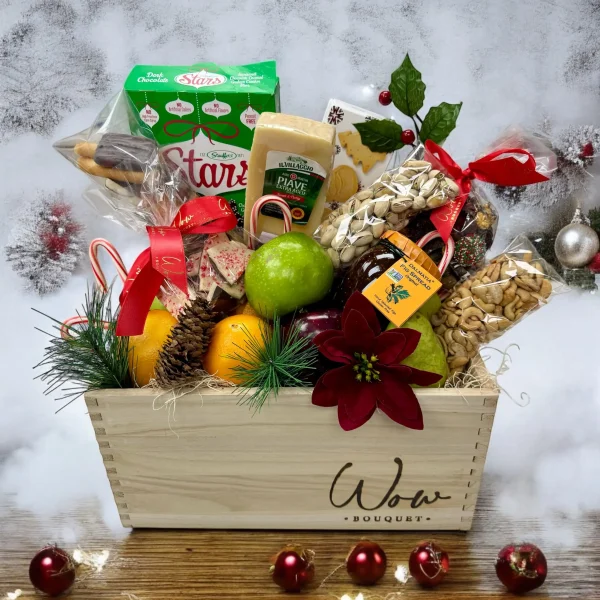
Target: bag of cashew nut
(387, 204)
(499, 295)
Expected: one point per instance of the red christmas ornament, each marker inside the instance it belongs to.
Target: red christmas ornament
(429, 564)
(385, 97)
(408, 136)
(366, 563)
(293, 568)
(521, 567)
(594, 266)
(587, 151)
(52, 571)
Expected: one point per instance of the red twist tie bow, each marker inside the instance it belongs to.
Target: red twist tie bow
(165, 258)
(489, 168)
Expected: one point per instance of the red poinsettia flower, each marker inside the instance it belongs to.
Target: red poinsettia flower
(372, 376)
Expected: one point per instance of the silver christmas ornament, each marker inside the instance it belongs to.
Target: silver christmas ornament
(577, 243)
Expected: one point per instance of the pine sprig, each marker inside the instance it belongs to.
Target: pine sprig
(274, 361)
(93, 357)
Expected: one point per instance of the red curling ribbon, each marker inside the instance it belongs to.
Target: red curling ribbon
(194, 127)
(165, 258)
(489, 168)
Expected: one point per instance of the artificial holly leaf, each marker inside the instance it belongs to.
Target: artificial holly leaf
(439, 122)
(380, 135)
(407, 88)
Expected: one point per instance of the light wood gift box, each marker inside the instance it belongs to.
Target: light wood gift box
(291, 466)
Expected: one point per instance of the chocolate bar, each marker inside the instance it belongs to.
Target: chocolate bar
(125, 152)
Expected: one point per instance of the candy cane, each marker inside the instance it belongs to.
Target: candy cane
(448, 249)
(95, 245)
(268, 199)
(68, 323)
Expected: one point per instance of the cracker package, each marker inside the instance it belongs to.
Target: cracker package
(355, 166)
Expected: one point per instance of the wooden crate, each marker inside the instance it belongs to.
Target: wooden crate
(291, 466)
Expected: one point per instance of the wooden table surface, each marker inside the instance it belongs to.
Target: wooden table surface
(214, 565)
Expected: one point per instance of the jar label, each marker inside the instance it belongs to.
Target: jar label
(401, 290)
(295, 179)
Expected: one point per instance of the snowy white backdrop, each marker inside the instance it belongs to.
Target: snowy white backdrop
(513, 61)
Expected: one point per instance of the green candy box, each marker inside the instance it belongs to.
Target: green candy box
(203, 117)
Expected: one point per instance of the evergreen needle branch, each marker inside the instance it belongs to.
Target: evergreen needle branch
(93, 357)
(274, 361)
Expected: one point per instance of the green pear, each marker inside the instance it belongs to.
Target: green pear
(286, 273)
(429, 354)
(432, 306)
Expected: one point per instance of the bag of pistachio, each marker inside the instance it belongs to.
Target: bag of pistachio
(388, 204)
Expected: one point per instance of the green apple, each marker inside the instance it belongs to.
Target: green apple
(429, 354)
(286, 273)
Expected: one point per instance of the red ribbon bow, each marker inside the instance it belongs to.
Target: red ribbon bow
(165, 258)
(489, 168)
(209, 131)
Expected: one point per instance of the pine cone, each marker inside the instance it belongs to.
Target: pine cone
(180, 360)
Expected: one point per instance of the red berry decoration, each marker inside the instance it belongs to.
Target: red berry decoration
(429, 564)
(366, 563)
(52, 571)
(293, 568)
(385, 97)
(408, 136)
(594, 266)
(521, 567)
(587, 151)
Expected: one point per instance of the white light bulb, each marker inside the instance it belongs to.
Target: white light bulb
(402, 574)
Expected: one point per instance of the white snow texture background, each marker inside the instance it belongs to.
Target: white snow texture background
(510, 62)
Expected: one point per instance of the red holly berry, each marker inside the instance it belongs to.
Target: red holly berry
(52, 571)
(587, 151)
(594, 266)
(385, 97)
(366, 563)
(293, 568)
(521, 567)
(429, 564)
(408, 136)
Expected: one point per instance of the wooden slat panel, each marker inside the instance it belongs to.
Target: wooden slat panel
(218, 465)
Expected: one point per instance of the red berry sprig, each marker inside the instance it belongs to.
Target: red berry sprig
(385, 98)
(408, 137)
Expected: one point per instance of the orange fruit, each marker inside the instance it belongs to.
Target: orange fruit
(230, 337)
(145, 348)
(245, 309)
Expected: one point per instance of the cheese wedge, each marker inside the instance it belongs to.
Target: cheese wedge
(291, 157)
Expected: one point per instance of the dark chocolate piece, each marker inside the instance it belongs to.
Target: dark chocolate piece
(125, 152)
